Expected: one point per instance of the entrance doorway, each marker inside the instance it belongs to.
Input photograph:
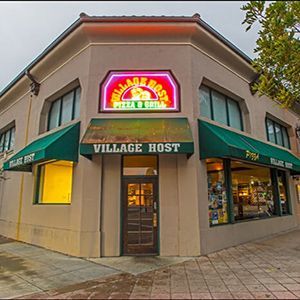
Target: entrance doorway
(140, 205)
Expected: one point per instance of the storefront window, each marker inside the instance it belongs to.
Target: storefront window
(140, 165)
(54, 182)
(217, 200)
(252, 191)
(283, 192)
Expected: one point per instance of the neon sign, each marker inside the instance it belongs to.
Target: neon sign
(139, 91)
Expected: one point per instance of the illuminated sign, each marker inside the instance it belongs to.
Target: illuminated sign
(139, 91)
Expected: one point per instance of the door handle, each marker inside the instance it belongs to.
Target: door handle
(154, 219)
(154, 205)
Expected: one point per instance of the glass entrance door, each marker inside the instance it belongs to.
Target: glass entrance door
(140, 218)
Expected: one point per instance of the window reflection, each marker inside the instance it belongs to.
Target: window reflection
(219, 105)
(205, 102)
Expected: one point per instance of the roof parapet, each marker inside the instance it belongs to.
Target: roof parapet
(84, 18)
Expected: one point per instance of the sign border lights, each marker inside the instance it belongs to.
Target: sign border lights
(146, 81)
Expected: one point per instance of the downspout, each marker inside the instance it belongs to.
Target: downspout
(34, 88)
(101, 206)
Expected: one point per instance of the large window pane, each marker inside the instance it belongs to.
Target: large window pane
(252, 191)
(54, 115)
(55, 182)
(205, 102)
(234, 114)
(67, 108)
(283, 192)
(278, 134)
(217, 200)
(270, 129)
(12, 138)
(6, 140)
(286, 142)
(219, 107)
(138, 165)
(77, 103)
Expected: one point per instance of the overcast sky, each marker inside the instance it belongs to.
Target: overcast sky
(27, 28)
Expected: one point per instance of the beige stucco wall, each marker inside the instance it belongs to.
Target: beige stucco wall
(91, 224)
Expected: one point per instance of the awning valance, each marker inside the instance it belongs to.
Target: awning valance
(137, 136)
(216, 141)
(60, 145)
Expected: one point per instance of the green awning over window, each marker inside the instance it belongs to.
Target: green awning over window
(137, 136)
(59, 145)
(219, 142)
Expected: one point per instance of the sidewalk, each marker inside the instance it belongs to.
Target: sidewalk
(26, 269)
(265, 269)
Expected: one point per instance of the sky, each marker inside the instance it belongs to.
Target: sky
(27, 28)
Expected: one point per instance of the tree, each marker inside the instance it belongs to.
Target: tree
(278, 49)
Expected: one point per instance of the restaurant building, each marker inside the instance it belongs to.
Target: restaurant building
(140, 135)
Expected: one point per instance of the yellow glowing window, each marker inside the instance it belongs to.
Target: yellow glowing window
(54, 182)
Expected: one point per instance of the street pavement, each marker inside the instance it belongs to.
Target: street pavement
(264, 269)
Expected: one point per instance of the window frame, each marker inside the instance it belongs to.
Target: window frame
(226, 105)
(3, 136)
(282, 127)
(61, 98)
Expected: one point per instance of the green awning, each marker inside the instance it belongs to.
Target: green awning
(219, 142)
(59, 145)
(137, 136)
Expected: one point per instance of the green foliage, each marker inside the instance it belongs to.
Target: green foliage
(278, 49)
